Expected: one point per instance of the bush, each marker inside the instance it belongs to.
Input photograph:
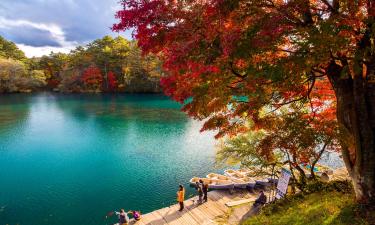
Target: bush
(324, 207)
(339, 186)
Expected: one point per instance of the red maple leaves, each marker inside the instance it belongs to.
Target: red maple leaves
(92, 76)
(232, 59)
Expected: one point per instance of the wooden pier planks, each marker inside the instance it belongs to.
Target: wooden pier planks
(195, 214)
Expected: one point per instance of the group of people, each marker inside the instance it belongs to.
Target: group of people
(202, 190)
(123, 218)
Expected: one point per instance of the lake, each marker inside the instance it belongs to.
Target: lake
(70, 159)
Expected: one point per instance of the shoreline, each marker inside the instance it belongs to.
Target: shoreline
(214, 211)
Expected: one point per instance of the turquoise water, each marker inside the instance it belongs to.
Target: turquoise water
(70, 159)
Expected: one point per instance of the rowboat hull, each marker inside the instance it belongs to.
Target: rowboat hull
(240, 180)
(213, 183)
(263, 182)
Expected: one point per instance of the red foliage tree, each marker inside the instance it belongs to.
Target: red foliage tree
(112, 82)
(92, 78)
(245, 59)
(53, 83)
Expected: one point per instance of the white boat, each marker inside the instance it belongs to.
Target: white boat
(238, 182)
(318, 170)
(217, 176)
(244, 171)
(262, 181)
(273, 180)
(234, 174)
(240, 179)
(244, 182)
(213, 183)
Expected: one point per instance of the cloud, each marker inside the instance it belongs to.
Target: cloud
(57, 25)
(32, 51)
(34, 34)
(36, 39)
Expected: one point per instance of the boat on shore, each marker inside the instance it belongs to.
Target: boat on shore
(217, 176)
(213, 183)
(262, 181)
(319, 170)
(238, 182)
(234, 174)
(273, 180)
(244, 171)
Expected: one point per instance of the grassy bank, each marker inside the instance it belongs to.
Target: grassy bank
(316, 208)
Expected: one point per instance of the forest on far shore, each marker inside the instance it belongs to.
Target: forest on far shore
(104, 65)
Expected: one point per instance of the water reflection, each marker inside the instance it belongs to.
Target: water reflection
(78, 155)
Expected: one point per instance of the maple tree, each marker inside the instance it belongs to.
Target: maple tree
(289, 139)
(112, 82)
(92, 78)
(234, 59)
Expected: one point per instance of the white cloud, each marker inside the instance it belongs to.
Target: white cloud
(56, 32)
(31, 51)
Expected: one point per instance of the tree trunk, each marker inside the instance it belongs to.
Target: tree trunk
(355, 95)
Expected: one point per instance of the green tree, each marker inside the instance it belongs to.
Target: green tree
(10, 50)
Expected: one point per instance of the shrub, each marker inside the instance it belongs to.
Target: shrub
(339, 186)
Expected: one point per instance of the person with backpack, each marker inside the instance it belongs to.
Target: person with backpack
(205, 191)
(199, 188)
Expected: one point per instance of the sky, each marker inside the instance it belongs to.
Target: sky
(41, 26)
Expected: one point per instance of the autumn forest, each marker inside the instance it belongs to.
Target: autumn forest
(104, 65)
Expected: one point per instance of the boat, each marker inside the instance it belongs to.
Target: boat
(273, 180)
(234, 174)
(318, 169)
(238, 182)
(237, 175)
(244, 182)
(217, 176)
(262, 181)
(213, 183)
(244, 171)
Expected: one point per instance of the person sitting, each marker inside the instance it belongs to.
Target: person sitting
(261, 200)
(136, 214)
(123, 218)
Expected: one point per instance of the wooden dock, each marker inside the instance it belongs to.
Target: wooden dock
(214, 211)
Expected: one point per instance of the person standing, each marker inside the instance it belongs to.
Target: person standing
(205, 191)
(181, 197)
(199, 188)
